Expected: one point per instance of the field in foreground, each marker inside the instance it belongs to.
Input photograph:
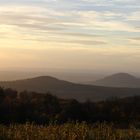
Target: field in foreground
(68, 131)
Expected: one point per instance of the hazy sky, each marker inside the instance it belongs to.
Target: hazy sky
(70, 34)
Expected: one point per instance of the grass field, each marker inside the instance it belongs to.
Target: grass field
(68, 131)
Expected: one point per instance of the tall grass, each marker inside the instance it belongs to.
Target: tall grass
(68, 131)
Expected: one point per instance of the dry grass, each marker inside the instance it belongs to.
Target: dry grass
(68, 131)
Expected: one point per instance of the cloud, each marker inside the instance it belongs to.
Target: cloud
(134, 16)
(103, 33)
(135, 38)
(58, 27)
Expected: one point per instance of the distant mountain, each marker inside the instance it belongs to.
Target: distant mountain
(68, 90)
(118, 80)
(77, 77)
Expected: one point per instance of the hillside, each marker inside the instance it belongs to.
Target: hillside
(118, 80)
(68, 90)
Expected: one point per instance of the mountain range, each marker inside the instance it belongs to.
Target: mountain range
(68, 90)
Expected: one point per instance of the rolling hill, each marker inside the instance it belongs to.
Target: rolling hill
(68, 90)
(118, 80)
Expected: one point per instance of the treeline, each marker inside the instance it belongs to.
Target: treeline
(44, 108)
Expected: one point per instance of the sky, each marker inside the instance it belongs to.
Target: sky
(79, 35)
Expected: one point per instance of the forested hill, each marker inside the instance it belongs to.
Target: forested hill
(45, 108)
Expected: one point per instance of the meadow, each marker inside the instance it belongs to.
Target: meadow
(67, 131)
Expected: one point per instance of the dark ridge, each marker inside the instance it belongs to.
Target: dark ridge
(67, 90)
